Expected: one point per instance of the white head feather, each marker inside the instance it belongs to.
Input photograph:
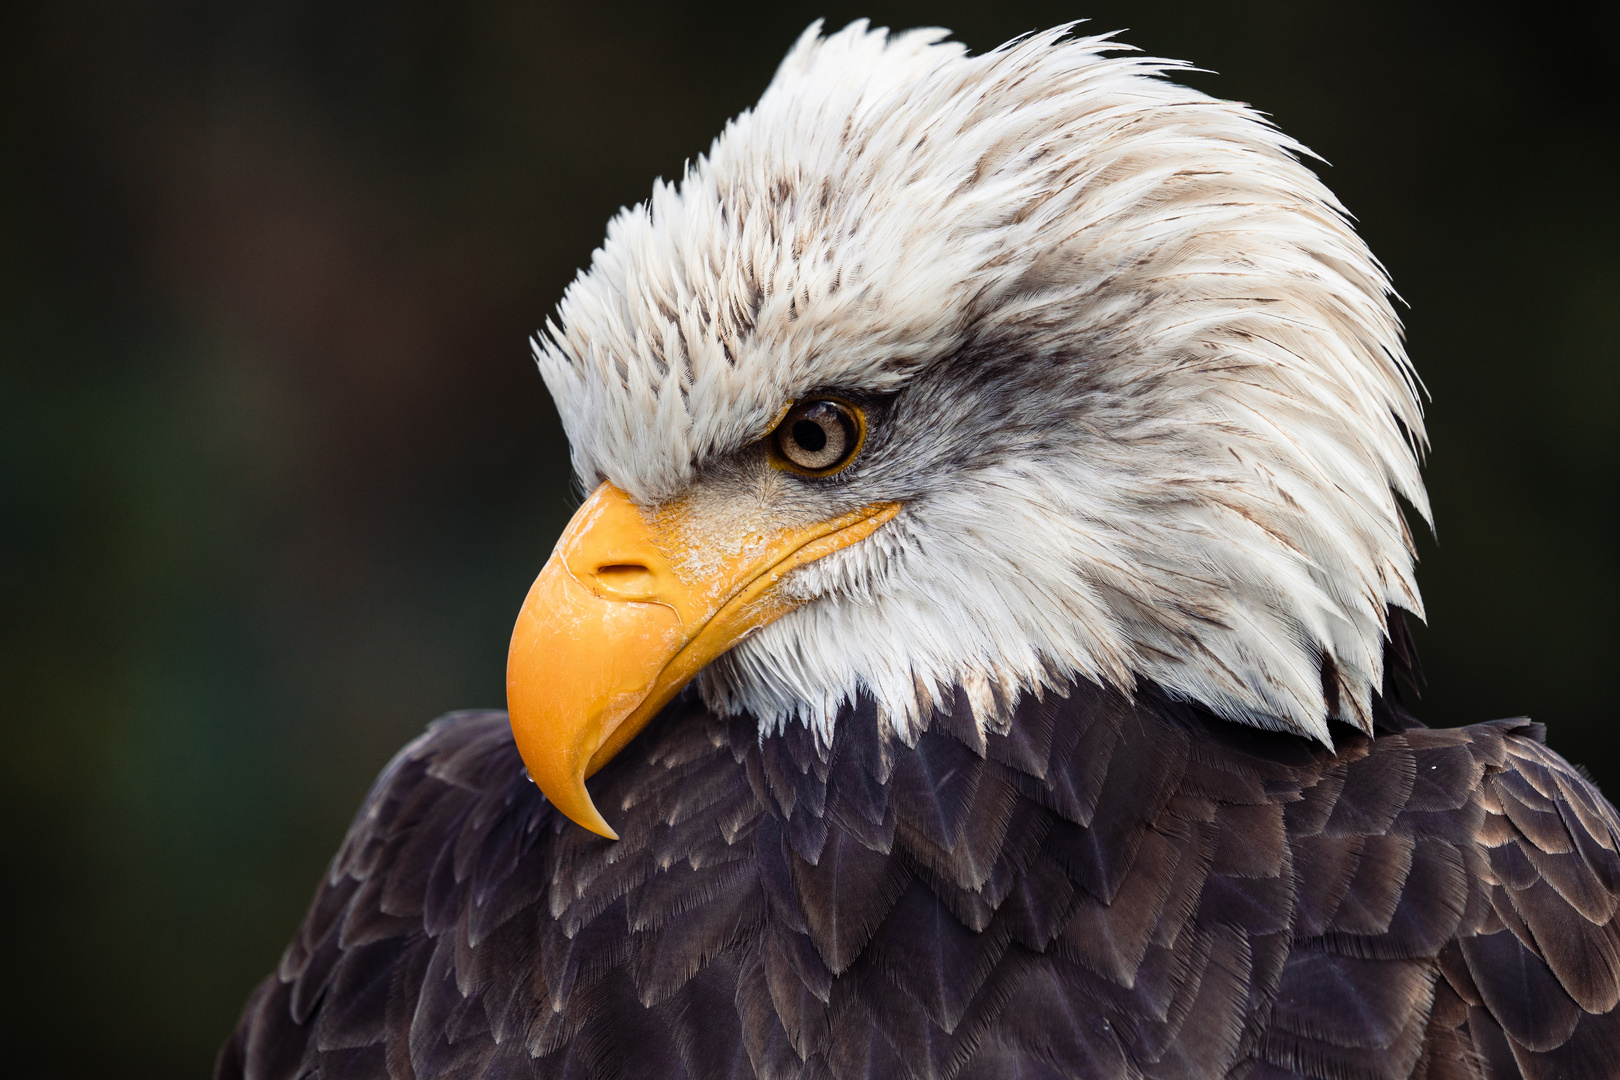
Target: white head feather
(1151, 406)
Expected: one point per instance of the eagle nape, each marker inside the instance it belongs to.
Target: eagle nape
(978, 656)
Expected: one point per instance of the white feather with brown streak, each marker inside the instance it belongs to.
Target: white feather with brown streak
(1202, 409)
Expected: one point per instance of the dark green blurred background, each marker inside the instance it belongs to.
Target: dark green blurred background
(276, 468)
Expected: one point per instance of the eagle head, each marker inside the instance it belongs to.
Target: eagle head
(950, 374)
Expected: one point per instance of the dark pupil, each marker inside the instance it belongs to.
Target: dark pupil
(810, 435)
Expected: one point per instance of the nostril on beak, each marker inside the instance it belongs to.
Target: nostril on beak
(629, 580)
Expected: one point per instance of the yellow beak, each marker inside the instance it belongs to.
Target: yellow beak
(624, 614)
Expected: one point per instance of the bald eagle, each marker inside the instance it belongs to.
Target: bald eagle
(977, 655)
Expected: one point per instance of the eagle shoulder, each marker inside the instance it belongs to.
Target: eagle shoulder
(432, 866)
(1456, 892)
(1539, 973)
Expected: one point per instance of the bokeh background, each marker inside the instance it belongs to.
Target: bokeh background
(276, 468)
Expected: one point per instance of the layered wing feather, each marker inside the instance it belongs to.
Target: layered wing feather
(1111, 889)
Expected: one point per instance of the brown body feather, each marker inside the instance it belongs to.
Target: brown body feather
(1112, 889)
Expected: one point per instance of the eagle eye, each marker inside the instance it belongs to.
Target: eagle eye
(818, 438)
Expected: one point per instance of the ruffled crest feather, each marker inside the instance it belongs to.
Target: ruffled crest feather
(1198, 409)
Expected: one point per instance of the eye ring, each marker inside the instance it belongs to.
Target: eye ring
(817, 438)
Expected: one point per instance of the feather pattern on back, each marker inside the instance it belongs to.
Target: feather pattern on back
(1110, 889)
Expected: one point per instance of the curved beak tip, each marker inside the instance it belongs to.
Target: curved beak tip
(587, 816)
(565, 789)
